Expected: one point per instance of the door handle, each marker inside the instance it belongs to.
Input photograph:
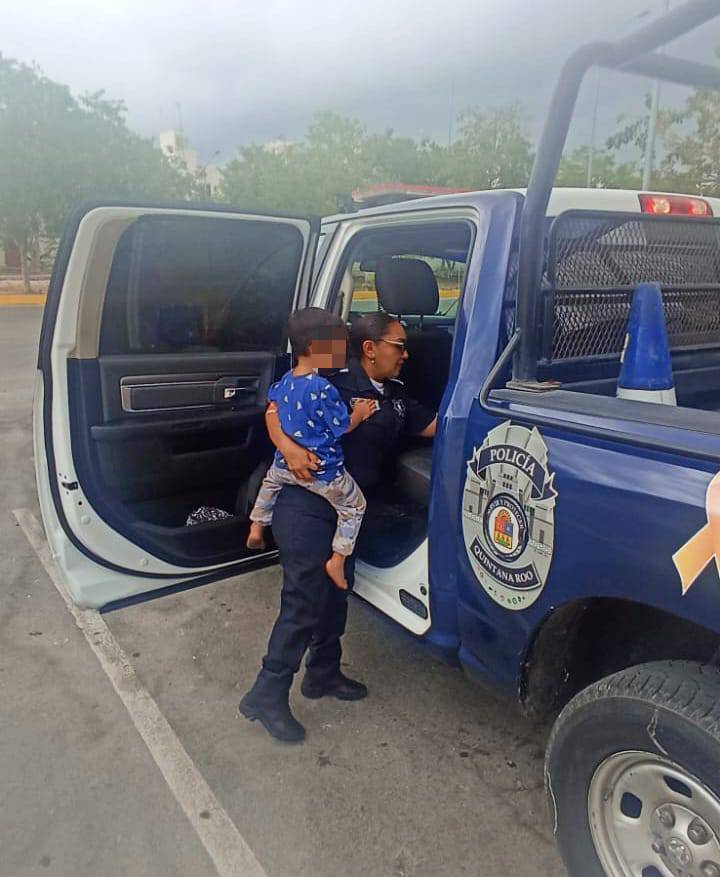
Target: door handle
(229, 390)
(232, 392)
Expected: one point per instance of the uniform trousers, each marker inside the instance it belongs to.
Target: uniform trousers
(313, 612)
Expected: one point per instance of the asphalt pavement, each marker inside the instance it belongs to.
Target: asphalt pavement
(429, 776)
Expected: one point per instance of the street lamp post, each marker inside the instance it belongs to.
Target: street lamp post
(651, 136)
(593, 129)
(652, 128)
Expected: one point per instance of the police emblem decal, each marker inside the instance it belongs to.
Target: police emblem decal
(508, 515)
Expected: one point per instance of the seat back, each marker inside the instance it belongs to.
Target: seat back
(408, 287)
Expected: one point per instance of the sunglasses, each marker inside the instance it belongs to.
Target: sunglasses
(401, 345)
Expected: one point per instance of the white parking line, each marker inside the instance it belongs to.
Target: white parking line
(227, 848)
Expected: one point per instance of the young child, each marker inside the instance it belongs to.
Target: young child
(312, 413)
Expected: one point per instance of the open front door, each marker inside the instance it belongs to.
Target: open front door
(163, 330)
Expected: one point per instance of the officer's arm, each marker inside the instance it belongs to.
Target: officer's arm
(430, 429)
(419, 420)
(301, 462)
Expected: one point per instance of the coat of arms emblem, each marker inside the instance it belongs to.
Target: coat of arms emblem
(508, 515)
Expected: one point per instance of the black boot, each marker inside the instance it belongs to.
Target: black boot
(338, 685)
(269, 705)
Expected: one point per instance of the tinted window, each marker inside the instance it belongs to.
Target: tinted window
(443, 246)
(450, 276)
(200, 284)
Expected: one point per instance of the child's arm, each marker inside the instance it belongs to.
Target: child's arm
(301, 462)
(362, 410)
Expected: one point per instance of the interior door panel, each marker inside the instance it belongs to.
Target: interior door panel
(181, 433)
(133, 384)
(163, 329)
(174, 392)
(171, 434)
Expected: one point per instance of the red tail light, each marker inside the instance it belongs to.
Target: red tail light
(674, 205)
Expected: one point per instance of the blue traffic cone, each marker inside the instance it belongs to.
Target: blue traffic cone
(646, 368)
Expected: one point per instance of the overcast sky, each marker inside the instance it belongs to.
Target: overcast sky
(250, 70)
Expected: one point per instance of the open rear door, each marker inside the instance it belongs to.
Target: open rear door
(163, 330)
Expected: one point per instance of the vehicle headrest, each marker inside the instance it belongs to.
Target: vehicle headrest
(406, 286)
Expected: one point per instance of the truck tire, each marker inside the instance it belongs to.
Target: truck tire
(632, 774)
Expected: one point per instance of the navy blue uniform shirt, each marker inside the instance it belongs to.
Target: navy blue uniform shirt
(370, 449)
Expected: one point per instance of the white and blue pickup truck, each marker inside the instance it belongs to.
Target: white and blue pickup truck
(560, 539)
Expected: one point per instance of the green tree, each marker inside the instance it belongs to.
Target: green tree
(493, 151)
(262, 180)
(333, 160)
(606, 171)
(688, 155)
(692, 156)
(56, 150)
(634, 129)
(338, 155)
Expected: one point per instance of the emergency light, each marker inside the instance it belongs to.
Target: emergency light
(646, 368)
(674, 205)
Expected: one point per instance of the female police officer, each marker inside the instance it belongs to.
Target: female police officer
(313, 613)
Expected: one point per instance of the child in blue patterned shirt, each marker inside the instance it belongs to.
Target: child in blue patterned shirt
(312, 413)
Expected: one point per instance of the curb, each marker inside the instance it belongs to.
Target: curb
(23, 299)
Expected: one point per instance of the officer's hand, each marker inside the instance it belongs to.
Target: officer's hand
(366, 407)
(301, 462)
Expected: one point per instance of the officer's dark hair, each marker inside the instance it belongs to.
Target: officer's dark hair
(369, 327)
(313, 324)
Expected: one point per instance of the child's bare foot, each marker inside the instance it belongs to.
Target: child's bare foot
(256, 539)
(335, 568)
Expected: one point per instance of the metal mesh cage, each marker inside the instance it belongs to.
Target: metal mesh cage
(595, 260)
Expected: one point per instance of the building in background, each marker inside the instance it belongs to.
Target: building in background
(278, 146)
(9, 257)
(175, 144)
(208, 177)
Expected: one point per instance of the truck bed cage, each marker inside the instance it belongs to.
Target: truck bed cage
(635, 54)
(595, 259)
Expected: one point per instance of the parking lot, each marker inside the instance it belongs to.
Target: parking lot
(429, 776)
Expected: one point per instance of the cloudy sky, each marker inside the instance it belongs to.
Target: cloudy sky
(250, 70)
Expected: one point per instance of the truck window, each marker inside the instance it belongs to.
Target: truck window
(442, 246)
(200, 285)
(387, 269)
(449, 274)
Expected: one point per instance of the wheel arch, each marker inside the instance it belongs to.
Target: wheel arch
(585, 640)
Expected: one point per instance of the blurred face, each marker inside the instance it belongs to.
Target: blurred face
(385, 358)
(329, 351)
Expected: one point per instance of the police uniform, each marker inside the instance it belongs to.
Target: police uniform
(370, 449)
(313, 613)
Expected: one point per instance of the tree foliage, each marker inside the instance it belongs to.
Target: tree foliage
(606, 171)
(56, 150)
(339, 155)
(687, 153)
(693, 146)
(494, 150)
